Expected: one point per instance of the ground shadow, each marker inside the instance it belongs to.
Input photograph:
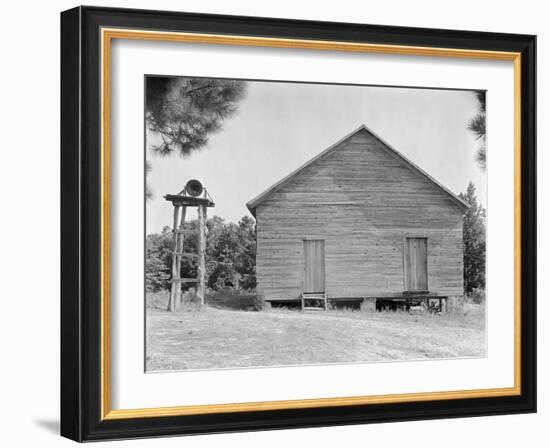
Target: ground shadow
(50, 425)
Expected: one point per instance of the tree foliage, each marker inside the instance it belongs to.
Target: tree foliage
(148, 192)
(158, 260)
(230, 255)
(183, 112)
(474, 242)
(478, 126)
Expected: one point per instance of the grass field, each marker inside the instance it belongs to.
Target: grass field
(219, 337)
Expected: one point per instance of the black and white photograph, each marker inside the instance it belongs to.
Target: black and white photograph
(296, 224)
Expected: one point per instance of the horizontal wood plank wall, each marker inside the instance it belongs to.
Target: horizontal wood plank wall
(363, 202)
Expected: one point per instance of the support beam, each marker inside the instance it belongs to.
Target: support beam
(175, 272)
(178, 249)
(201, 267)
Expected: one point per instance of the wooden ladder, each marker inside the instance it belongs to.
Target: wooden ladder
(311, 300)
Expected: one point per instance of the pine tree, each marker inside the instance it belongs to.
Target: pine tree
(184, 112)
(474, 242)
(478, 126)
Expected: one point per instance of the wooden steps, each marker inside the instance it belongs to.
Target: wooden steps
(314, 301)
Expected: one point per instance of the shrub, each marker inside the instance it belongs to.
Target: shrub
(157, 300)
(477, 295)
(259, 302)
(231, 299)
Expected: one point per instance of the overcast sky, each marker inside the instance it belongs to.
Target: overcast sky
(279, 126)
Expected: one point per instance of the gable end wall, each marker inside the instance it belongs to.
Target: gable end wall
(363, 202)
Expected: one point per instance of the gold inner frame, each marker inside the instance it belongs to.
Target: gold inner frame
(107, 35)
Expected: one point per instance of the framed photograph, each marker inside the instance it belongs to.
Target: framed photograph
(273, 223)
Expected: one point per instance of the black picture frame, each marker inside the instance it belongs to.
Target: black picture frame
(81, 224)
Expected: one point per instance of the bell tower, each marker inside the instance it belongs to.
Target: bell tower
(193, 195)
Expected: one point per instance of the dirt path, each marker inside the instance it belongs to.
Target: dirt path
(214, 338)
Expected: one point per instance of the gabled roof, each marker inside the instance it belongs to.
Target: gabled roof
(413, 167)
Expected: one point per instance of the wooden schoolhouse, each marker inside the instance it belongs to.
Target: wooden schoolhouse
(359, 224)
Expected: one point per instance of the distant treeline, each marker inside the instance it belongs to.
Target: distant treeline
(230, 255)
(474, 237)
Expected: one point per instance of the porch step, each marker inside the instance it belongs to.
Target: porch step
(311, 301)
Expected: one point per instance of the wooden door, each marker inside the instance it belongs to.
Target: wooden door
(314, 271)
(416, 264)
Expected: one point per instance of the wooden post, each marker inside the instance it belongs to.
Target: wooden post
(178, 248)
(368, 305)
(201, 266)
(175, 271)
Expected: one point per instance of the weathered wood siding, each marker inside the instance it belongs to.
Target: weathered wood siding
(363, 202)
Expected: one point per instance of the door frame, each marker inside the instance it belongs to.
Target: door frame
(405, 238)
(305, 264)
